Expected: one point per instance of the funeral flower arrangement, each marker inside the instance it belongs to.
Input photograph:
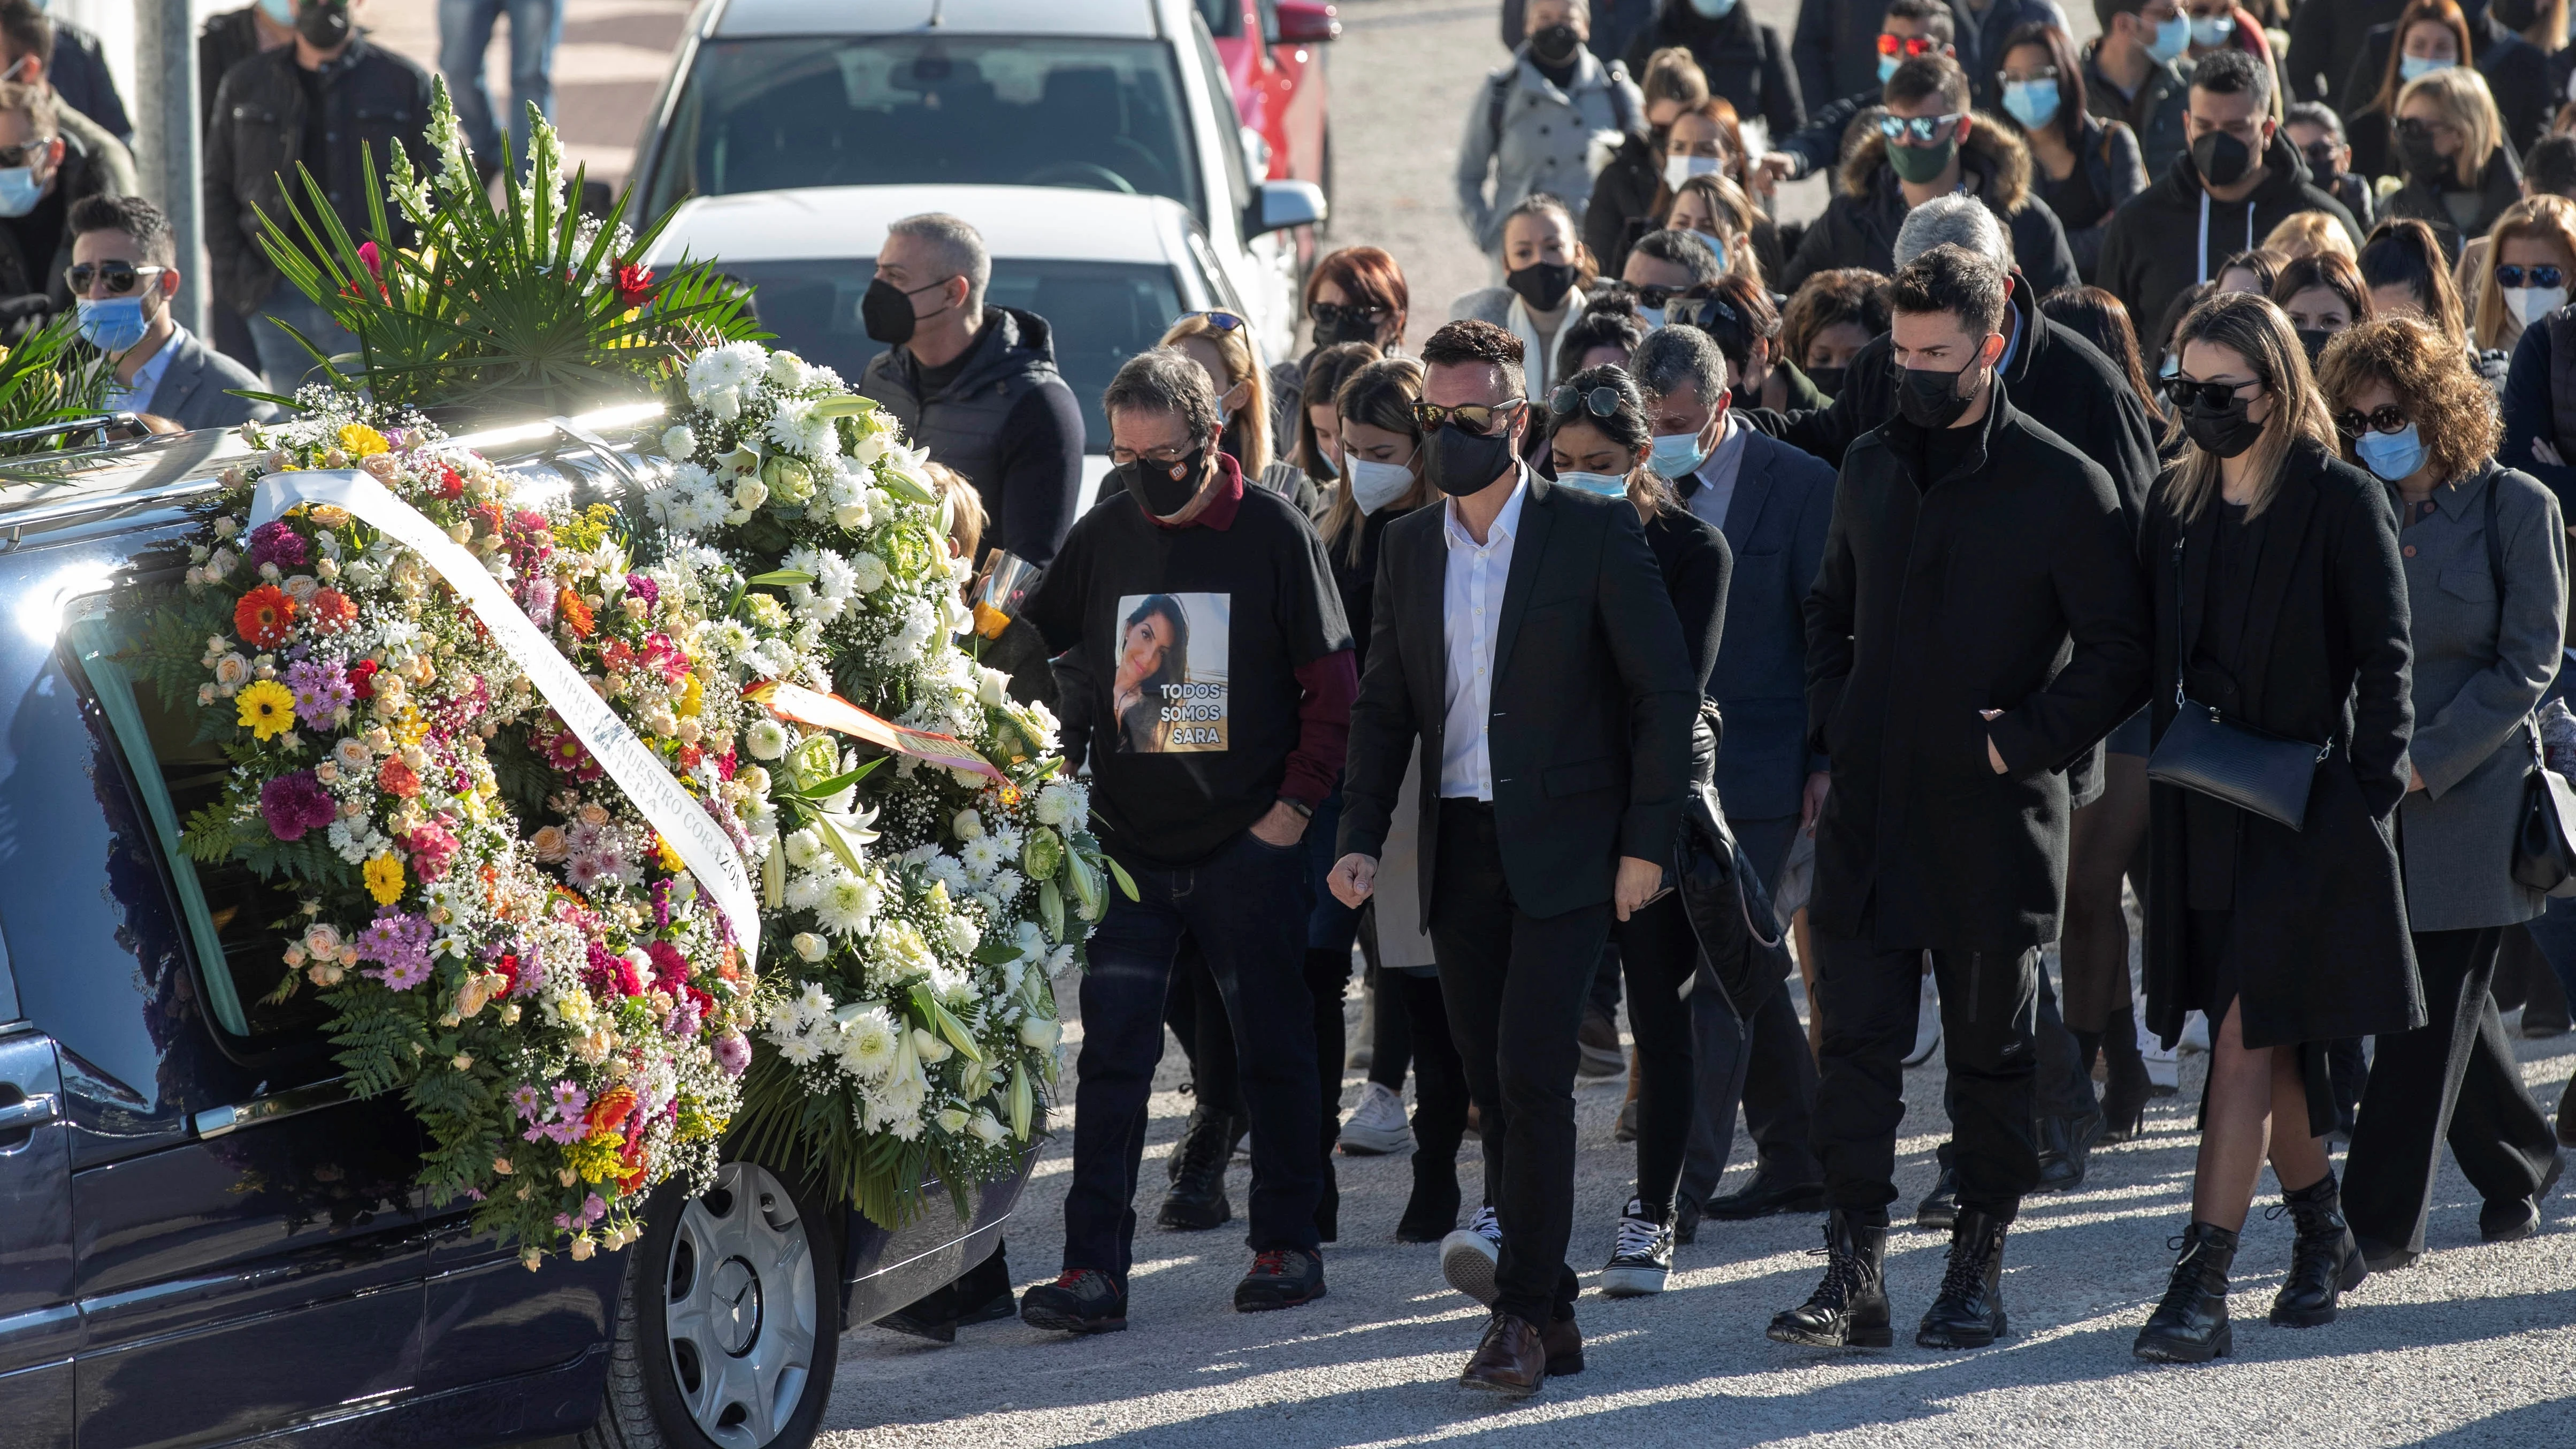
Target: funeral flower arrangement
(906, 1012)
(498, 935)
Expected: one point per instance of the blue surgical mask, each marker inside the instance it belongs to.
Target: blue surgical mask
(1677, 455)
(2033, 103)
(2413, 67)
(19, 190)
(112, 324)
(281, 11)
(1608, 485)
(1713, 9)
(1653, 317)
(2172, 38)
(1887, 65)
(2211, 31)
(1716, 244)
(2391, 456)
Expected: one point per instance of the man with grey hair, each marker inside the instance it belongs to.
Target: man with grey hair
(975, 384)
(1773, 503)
(1224, 677)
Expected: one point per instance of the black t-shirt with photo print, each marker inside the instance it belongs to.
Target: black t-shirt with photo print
(1192, 638)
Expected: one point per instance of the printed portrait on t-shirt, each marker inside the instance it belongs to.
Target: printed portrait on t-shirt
(1169, 692)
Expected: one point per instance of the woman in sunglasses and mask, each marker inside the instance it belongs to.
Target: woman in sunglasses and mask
(2486, 582)
(1356, 294)
(1599, 442)
(2279, 607)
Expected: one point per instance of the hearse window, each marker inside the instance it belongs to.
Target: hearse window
(236, 921)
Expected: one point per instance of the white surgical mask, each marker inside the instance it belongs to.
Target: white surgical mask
(1678, 169)
(2530, 304)
(1374, 485)
(1608, 485)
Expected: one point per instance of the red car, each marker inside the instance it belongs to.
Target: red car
(1271, 50)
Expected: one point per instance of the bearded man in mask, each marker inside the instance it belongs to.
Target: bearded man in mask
(1221, 704)
(1527, 652)
(331, 102)
(1977, 625)
(975, 384)
(2241, 177)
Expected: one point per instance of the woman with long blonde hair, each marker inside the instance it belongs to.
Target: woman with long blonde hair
(2460, 174)
(1221, 344)
(2530, 264)
(2279, 608)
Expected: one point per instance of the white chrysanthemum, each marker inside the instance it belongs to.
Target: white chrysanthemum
(804, 890)
(982, 856)
(678, 441)
(946, 870)
(1006, 885)
(804, 850)
(783, 1020)
(963, 937)
(868, 1045)
(788, 372)
(869, 572)
(834, 579)
(1055, 806)
(814, 1002)
(736, 366)
(766, 739)
(800, 1051)
(796, 427)
(849, 903)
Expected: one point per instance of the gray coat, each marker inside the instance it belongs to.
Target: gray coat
(1545, 141)
(197, 389)
(2480, 665)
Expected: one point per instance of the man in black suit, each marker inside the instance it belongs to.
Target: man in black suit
(1525, 639)
(1977, 625)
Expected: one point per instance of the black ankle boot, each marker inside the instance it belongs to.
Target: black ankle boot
(1969, 1313)
(2325, 1263)
(1848, 1309)
(2125, 1087)
(2190, 1325)
(1197, 1199)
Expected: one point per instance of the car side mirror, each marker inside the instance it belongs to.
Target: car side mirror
(1308, 22)
(1279, 205)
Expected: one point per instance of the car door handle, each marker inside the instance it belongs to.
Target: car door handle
(33, 1111)
(216, 1121)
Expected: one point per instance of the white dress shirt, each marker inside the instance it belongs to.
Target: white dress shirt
(1471, 615)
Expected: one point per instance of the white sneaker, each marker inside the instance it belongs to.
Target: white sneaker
(1376, 1127)
(1470, 1257)
(2195, 1033)
(2164, 1068)
(1641, 1257)
(1927, 1025)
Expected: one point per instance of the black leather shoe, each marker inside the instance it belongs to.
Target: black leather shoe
(1197, 1199)
(2190, 1325)
(1969, 1313)
(2065, 1149)
(1764, 1197)
(1939, 1210)
(2325, 1262)
(2519, 1218)
(1849, 1308)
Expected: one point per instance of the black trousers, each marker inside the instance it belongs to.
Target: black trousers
(1515, 987)
(1658, 952)
(1989, 1013)
(1439, 1078)
(1764, 1064)
(2452, 1078)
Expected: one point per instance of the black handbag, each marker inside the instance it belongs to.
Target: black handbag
(1728, 905)
(2206, 752)
(2544, 859)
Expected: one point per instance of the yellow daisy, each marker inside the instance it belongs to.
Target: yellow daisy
(266, 708)
(360, 441)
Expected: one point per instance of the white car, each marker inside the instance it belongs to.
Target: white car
(951, 98)
(1108, 272)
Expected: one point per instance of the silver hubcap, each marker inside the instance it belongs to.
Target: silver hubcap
(740, 1307)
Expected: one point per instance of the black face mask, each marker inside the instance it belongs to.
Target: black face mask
(1463, 463)
(1930, 399)
(2221, 159)
(324, 24)
(2422, 162)
(886, 311)
(1155, 486)
(1828, 380)
(1542, 285)
(1555, 45)
(2321, 164)
(2222, 432)
(2314, 340)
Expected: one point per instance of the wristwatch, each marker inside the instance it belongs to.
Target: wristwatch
(1300, 806)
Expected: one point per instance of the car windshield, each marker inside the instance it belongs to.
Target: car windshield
(766, 115)
(1099, 313)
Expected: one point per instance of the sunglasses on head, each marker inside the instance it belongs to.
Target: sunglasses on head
(1477, 418)
(2541, 276)
(1921, 130)
(1906, 47)
(1601, 402)
(1705, 313)
(2215, 397)
(1221, 321)
(2386, 418)
(1333, 314)
(118, 277)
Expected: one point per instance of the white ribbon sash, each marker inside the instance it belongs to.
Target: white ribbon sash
(680, 818)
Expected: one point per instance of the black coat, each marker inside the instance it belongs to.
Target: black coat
(2009, 583)
(2499, 187)
(2517, 74)
(1591, 699)
(1744, 60)
(2153, 248)
(32, 287)
(2320, 940)
(1860, 224)
(1697, 567)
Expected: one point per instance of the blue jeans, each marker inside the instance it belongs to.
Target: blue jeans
(1330, 925)
(282, 360)
(464, 33)
(1245, 907)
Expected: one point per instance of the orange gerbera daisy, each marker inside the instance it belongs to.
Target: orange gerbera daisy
(265, 616)
(331, 610)
(574, 614)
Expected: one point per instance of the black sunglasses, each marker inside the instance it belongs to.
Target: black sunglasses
(2386, 418)
(1705, 313)
(1601, 402)
(1924, 130)
(120, 277)
(2215, 397)
(1333, 314)
(1477, 418)
(2540, 276)
(25, 152)
(1659, 298)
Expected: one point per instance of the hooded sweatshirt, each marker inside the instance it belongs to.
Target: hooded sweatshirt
(2172, 236)
(1859, 226)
